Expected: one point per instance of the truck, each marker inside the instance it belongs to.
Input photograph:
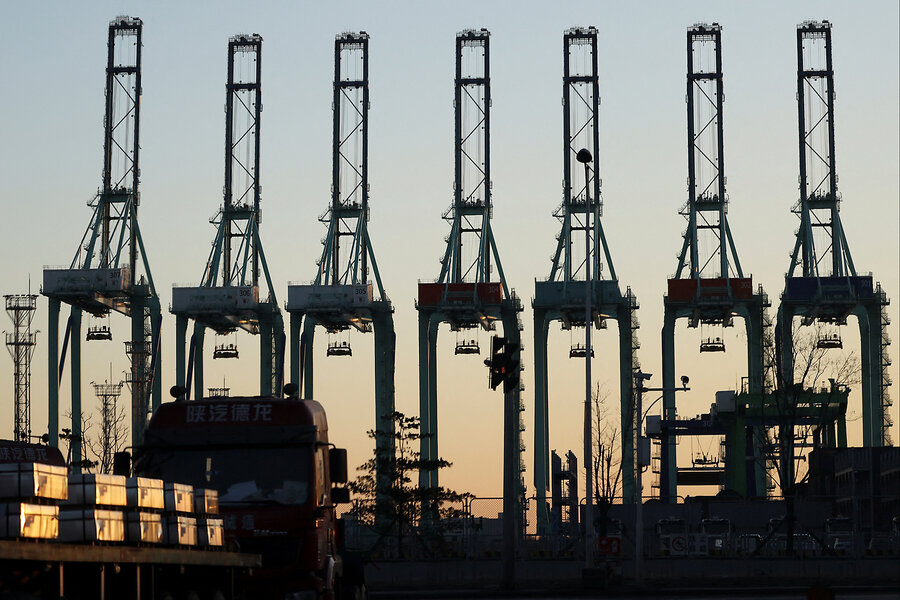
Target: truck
(272, 463)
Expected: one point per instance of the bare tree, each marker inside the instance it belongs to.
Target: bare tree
(814, 364)
(74, 441)
(607, 448)
(112, 438)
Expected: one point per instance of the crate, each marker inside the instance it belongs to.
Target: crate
(179, 497)
(145, 527)
(91, 525)
(181, 530)
(34, 521)
(206, 501)
(145, 493)
(212, 532)
(22, 481)
(97, 490)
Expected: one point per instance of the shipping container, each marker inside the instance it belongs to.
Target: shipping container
(215, 299)
(304, 297)
(460, 294)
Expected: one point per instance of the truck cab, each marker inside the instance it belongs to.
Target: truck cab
(271, 462)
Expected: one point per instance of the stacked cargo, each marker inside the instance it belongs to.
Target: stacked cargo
(211, 527)
(145, 503)
(31, 491)
(94, 510)
(181, 524)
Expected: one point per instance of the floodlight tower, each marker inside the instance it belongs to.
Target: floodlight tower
(465, 294)
(341, 296)
(709, 287)
(103, 275)
(108, 394)
(234, 302)
(827, 288)
(561, 297)
(20, 343)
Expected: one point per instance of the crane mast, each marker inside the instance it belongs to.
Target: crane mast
(110, 271)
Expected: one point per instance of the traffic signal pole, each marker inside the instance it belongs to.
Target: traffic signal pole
(503, 366)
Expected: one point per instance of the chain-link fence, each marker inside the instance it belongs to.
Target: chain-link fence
(698, 527)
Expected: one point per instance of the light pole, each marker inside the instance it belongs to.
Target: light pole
(584, 157)
(639, 379)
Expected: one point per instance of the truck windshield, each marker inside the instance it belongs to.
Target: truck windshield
(241, 475)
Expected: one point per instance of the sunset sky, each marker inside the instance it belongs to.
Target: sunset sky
(51, 156)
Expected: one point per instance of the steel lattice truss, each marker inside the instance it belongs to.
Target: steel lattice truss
(347, 252)
(707, 240)
(237, 251)
(581, 104)
(470, 245)
(112, 239)
(821, 247)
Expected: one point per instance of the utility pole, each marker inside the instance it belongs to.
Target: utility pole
(584, 157)
(643, 459)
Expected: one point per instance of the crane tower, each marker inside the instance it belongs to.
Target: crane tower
(561, 297)
(466, 294)
(20, 343)
(341, 295)
(110, 271)
(822, 283)
(228, 297)
(709, 287)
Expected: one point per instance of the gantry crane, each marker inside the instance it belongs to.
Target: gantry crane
(562, 296)
(103, 275)
(465, 294)
(341, 296)
(709, 287)
(826, 288)
(234, 302)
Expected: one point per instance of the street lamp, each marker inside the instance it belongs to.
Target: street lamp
(584, 157)
(639, 378)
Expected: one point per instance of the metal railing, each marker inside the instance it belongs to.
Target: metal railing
(693, 527)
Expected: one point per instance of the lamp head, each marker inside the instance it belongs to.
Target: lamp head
(584, 156)
(684, 381)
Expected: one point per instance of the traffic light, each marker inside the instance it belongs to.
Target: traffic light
(511, 367)
(496, 362)
(503, 363)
